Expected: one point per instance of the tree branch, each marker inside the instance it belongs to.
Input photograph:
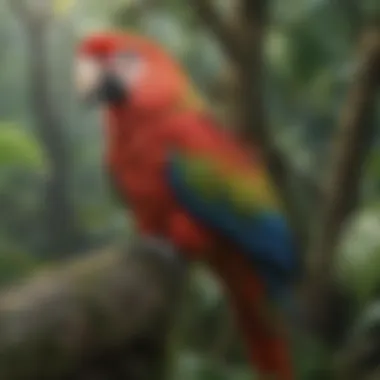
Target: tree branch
(349, 150)
(69, 322)
(255, 127)
(225, 33)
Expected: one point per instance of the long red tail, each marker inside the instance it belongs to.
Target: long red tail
(267, 346)
(261, 323)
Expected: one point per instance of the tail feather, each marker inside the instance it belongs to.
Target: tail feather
(267, 346)
(261, 318)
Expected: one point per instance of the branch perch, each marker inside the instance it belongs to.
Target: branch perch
(61, 324)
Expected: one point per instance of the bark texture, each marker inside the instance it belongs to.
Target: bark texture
(105, 316)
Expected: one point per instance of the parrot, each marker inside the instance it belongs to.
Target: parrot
(193, 185)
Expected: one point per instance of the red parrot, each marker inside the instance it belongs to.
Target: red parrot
(191, 184)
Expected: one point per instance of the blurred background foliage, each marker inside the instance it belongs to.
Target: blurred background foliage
(308, 51)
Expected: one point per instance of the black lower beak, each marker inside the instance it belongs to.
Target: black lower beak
(110, 91)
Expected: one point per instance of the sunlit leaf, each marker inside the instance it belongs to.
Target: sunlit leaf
(19, 148)
(277, 50)
(358, 264)
(62, 7)
(208, 287)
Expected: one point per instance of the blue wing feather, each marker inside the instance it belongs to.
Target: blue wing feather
(265, 237)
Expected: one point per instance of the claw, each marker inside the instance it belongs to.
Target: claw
(162, 249)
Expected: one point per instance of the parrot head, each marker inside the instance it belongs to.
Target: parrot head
(121, 69)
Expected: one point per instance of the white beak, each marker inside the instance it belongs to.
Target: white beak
(87, 77)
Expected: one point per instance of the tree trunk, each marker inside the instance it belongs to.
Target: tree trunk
(59, 220)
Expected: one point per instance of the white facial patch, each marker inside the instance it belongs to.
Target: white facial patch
(129, 67)
(88, 74)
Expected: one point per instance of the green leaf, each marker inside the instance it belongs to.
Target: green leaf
(19, 148)
(358, 262)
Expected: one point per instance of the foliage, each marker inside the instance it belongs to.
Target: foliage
(15, 264)
(19, 149)
(308, 51)
(359, 263)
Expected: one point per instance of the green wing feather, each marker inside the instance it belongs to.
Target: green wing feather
(234, 196)
(246, 190)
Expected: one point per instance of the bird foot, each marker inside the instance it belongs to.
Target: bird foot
(158, 248)
(158, 245)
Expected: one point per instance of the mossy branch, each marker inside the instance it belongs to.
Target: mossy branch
(105, 314)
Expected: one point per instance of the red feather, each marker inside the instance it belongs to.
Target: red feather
(140, 136)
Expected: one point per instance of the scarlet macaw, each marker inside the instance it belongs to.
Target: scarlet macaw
(193, 185)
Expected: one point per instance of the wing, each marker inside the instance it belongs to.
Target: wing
(229, 193)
